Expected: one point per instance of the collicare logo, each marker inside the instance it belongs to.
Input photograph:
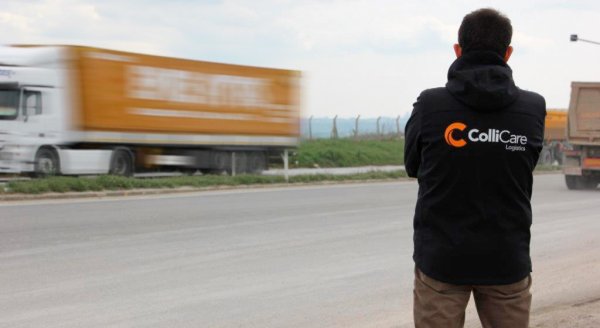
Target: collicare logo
(513, 142)
(450, 139)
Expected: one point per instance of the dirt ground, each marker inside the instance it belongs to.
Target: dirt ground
(581, 315)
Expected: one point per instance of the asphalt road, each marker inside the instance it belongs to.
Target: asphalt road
(323, 256)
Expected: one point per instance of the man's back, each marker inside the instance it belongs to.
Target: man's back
(473, 145)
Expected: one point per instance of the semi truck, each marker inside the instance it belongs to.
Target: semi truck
(581, 164)
(76, 110)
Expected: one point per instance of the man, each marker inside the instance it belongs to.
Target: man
(473, 146)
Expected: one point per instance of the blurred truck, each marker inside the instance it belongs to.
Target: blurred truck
(76, 110)
(582, 161)
(554, 137)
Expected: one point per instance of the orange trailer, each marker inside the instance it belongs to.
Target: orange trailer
(554, 137)
(140, 93)
(556, 125)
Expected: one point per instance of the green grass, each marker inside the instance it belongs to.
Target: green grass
(548, 168)
(108, 182)
(348, 153)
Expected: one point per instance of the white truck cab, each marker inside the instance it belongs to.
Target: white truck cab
(36, 116)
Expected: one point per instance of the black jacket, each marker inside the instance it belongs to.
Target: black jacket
(473, 146)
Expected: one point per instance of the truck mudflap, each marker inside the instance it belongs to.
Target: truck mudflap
(572, 170)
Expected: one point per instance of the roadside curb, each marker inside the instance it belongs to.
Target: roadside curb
(181, 190)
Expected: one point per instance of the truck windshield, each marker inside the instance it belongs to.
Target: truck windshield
(9, 103)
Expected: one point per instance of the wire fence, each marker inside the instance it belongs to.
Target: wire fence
(356, 127)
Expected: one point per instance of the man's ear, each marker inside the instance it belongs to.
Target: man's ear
(458, 50)
(509, 52)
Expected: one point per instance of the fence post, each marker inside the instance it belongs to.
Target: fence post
(398, 126)
(232, 164)
(334, 131)
(378, 127)
(310, 136)
(356, 127)
(286, 165)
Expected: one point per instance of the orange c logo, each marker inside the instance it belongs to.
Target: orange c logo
(448, 134)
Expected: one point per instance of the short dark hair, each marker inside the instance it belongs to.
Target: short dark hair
(485, 29)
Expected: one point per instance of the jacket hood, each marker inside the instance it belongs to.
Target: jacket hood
(482, 81)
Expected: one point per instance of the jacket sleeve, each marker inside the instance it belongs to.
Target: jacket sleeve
(412, 141)
(541, 130)
(543, 106)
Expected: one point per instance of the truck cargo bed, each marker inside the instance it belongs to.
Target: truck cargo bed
(584, 113)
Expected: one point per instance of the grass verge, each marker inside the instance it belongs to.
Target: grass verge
(107, 182)
(548, 168)
(348, 153)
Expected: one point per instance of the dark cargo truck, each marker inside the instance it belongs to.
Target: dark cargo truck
(582, 161)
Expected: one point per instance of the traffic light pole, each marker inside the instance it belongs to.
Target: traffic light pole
(575, 38)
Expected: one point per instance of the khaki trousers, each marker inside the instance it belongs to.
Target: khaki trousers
(441, 305)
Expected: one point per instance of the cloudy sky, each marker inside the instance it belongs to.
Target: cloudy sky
(368, 57)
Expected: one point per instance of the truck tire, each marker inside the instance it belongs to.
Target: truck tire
(576, 182)
(121, 163)
(47, 162)
(221, 162)
(257, 162)
(572, 182)
(592, 183)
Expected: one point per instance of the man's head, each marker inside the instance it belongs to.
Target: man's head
(485, 29)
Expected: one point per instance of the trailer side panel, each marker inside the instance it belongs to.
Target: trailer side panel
(140, 94)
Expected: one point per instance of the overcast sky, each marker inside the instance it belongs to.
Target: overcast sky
(369, 57)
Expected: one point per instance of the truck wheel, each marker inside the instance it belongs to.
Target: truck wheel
(572, 182)
(121, 163)
(221, 162)
(256, 163)
(591, 183)
(46, 163)
(575, 182)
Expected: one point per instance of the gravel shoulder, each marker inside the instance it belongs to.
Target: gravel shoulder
(580, 315)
